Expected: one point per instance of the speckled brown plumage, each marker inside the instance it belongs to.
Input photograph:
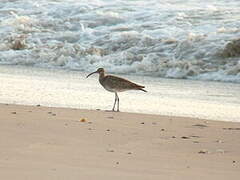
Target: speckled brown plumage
(116, 84)
(119, 84)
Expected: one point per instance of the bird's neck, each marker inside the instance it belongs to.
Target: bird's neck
(101, 75)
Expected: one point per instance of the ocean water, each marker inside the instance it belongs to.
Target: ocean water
(158, 38)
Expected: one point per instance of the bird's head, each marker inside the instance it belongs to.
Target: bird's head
(99, 71)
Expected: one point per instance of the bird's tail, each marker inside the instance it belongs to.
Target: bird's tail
(141, 88)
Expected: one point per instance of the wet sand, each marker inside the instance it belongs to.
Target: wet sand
(61, 143)
(71, 89)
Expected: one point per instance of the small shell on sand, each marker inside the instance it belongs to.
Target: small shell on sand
(203, 151)
(83, 120)
(221, 151)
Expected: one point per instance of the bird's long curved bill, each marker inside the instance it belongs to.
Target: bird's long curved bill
(91, 74)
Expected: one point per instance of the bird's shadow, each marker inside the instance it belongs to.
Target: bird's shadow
(111, 111)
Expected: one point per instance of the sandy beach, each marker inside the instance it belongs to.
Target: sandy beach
(62, 143)
(53, 119)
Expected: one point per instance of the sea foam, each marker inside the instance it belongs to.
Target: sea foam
(173, 40)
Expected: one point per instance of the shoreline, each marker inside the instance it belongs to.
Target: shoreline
(50, 143)
(185, 98)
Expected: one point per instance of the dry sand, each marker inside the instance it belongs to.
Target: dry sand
(40, 143)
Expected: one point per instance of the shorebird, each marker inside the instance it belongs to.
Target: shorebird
(116, 84)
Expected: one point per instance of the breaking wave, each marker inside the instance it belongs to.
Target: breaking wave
(170, 39)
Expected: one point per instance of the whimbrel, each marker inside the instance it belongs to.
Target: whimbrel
(116, 84)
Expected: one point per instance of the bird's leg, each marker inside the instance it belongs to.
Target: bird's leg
(117, 103)
(114, 101)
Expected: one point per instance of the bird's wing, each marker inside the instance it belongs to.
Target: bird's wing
(115, 82)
